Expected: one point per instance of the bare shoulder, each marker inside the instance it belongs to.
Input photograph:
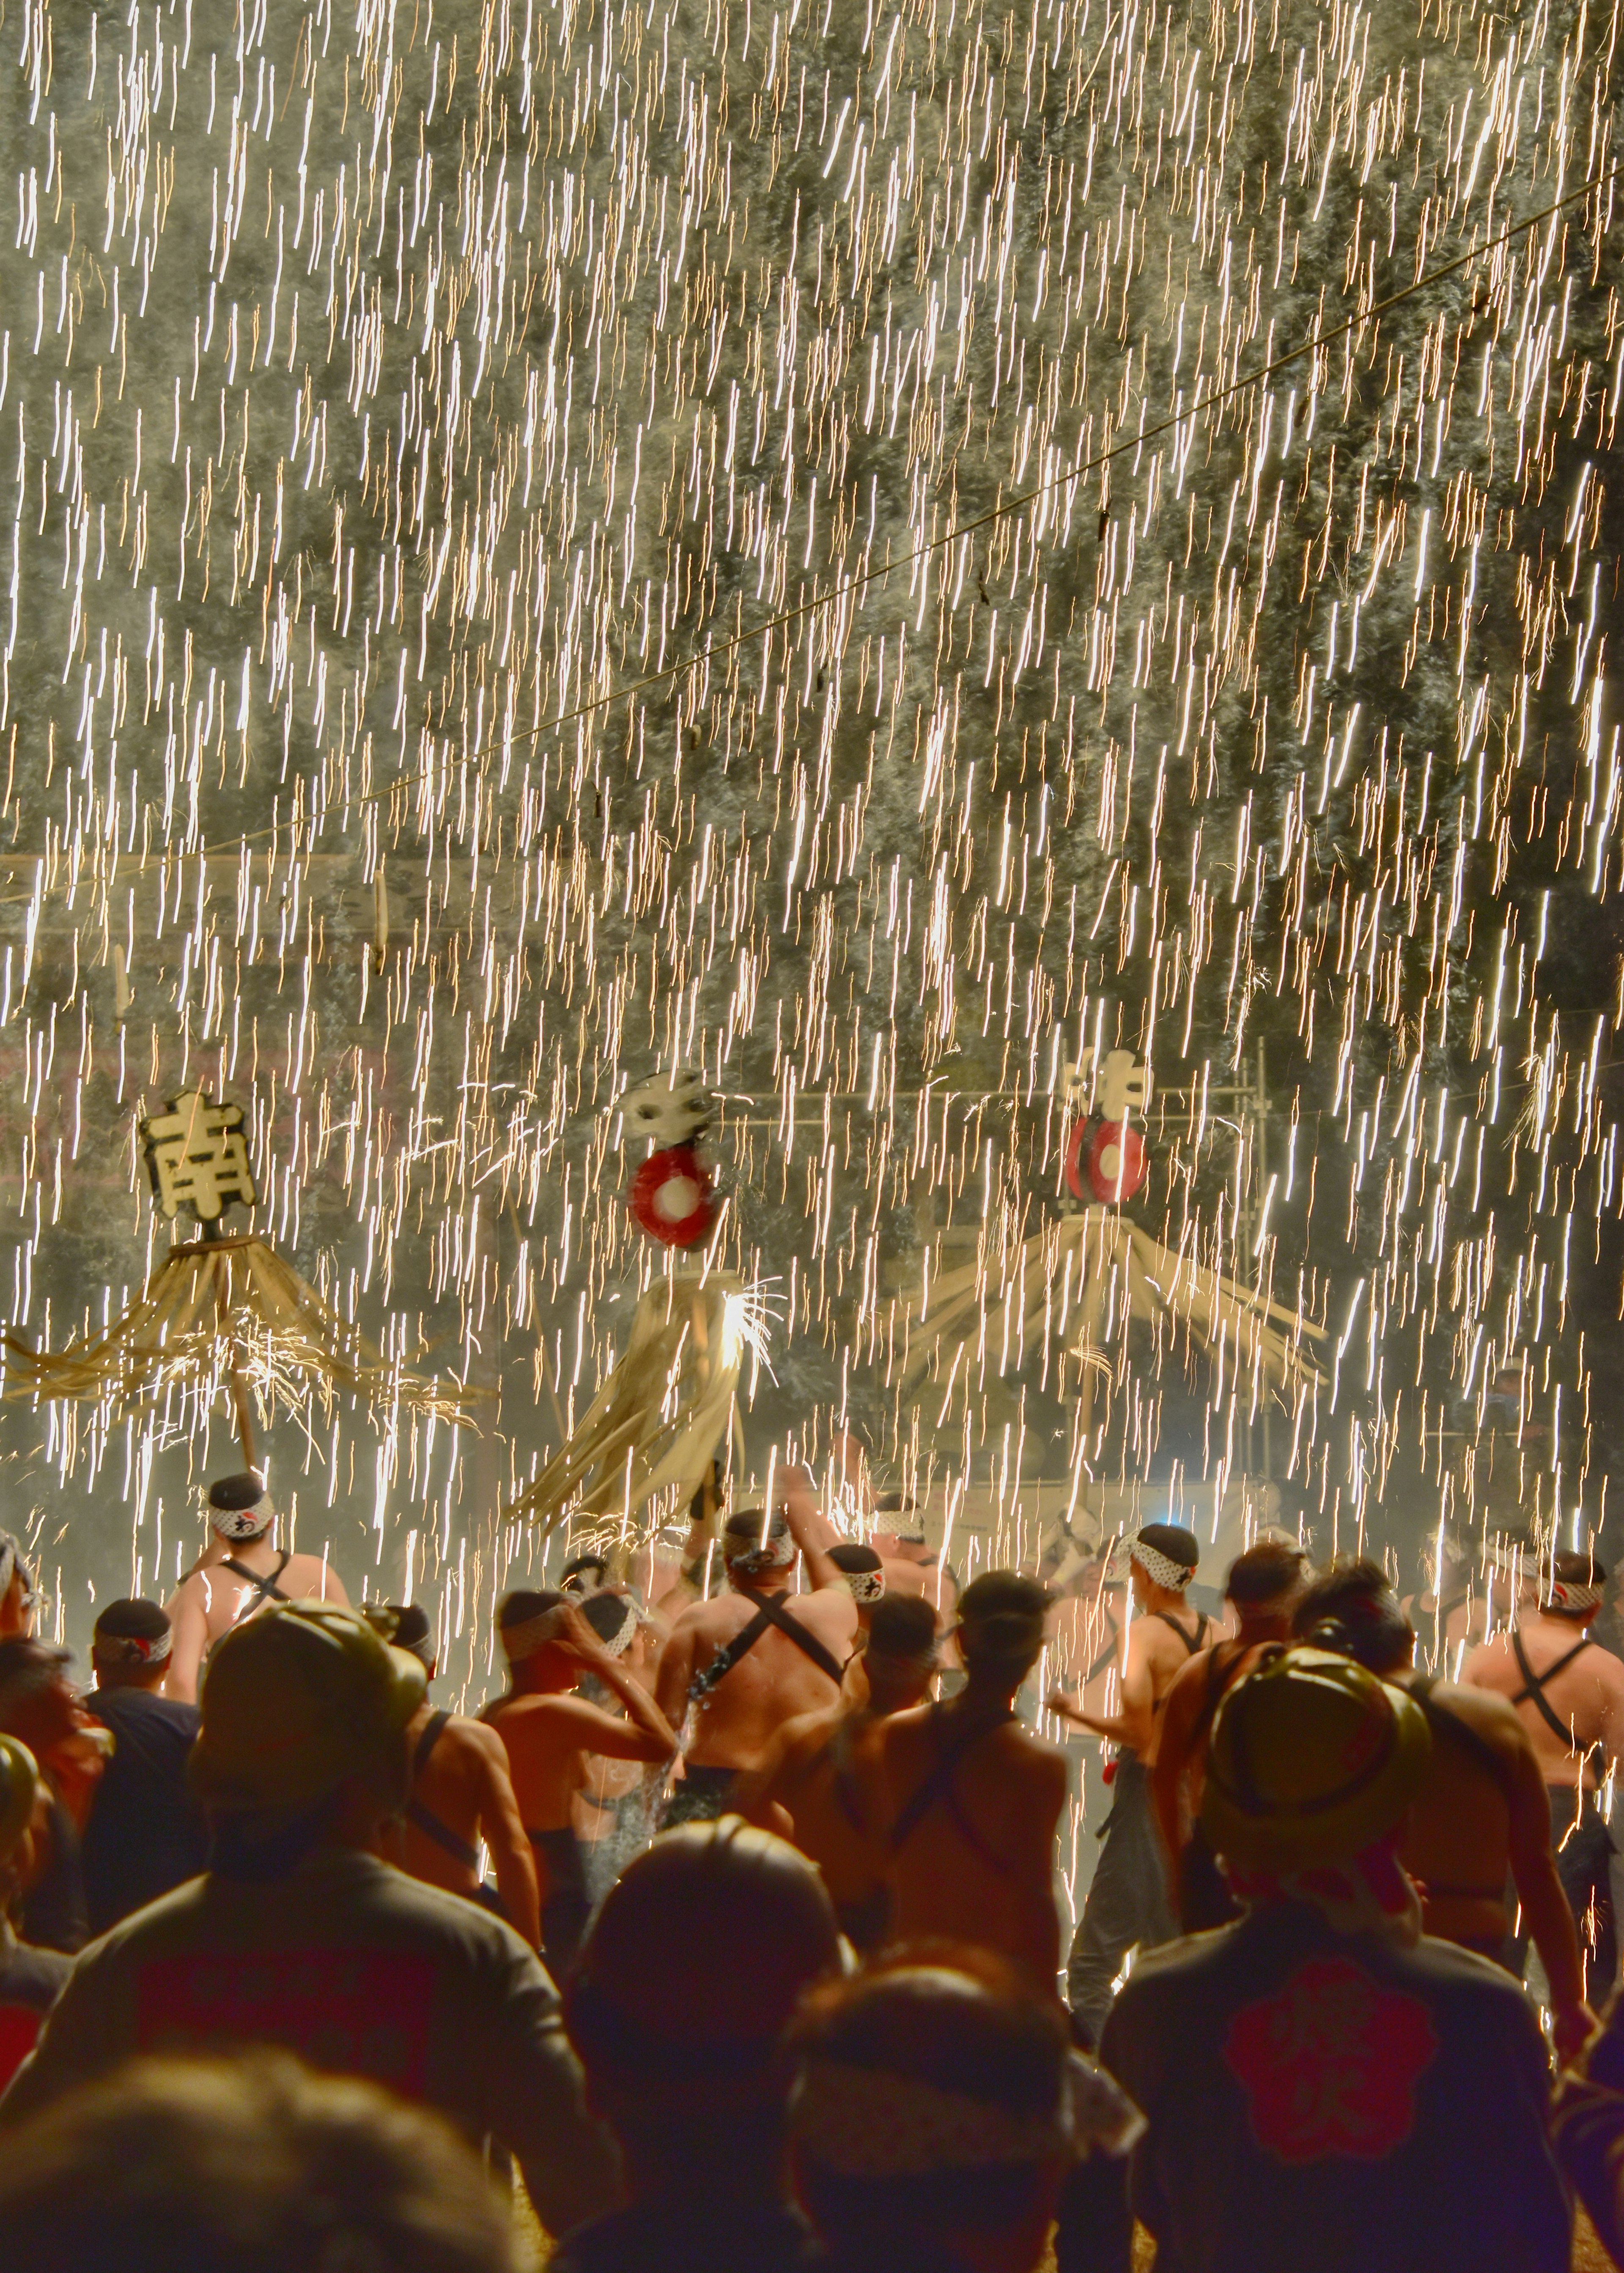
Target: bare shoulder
(1025, 1745)
(1489, 1713)
(477, 1737)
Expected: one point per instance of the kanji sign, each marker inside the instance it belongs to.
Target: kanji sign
(197, 1157)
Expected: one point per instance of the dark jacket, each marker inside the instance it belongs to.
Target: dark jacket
(1328, 2100)
(145, 1832)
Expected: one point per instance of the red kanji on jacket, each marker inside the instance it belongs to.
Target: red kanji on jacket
(1330, 2063)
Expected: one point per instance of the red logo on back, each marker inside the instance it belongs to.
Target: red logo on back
(353, 2012)
(1329, 2065)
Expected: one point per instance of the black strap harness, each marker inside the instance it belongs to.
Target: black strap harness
(1533, 1690)
(770, 1612)
(936, 1786)
(266, 1588)
(424, 1819)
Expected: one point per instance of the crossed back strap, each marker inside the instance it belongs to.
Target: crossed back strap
(1191, 1647)
(266, 1588)
(1533, 1690)
(424, 1819)
(770, 1612)
(936, 1787)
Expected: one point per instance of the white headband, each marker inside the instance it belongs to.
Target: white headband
(776, 1552)
(1565, 1595)
(869, 2123)
(242, 1524)
(866, 1586)
(521, 1641)
(1160, 1569)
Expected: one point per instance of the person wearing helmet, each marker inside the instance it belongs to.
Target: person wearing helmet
(145, 1831)
(1323, 2086)
(461, 1794)
(1130, 1903)
(753, 1656)
(30, 1979)
(1479, 1833)
(299, 1936)
(549, 1731)
(692, 1971)
(813, 1784)
(241, 1571)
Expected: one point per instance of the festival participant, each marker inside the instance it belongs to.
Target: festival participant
(1481, 1820)
(41, 1706)
(970, 1799)
(1324, 2087)
(251, 2166)
(240, 1571)
(616, 1811)
(693, 1969)
(1129, 1904)
(813, 1783)
(750, 1660)
(1262, 1591)
(864, 1574)
(911, 1565)
(30, 1979)
(145, 1831)
(938, 2111)
(548, 1731)
(1568, 1693)
(299, 1936)
(19, 1597)
(461, 1794)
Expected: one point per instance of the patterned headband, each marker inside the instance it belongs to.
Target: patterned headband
(866, 1586)
(241, 1524)
(776, 1552)
(1565, 1595)
(530, 1634)
(869, 2123)
(134, 1649)
(1160, 1569)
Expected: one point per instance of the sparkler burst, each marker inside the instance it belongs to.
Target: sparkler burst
(864, 554)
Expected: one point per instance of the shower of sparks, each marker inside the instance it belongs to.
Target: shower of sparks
(389, 382)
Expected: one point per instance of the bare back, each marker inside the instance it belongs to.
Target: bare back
(972, 1854)
(1160, 1644)
(1481, 1775)
(775, 1681)
(822, 1771)
(1584, 1697)
(210, 1599)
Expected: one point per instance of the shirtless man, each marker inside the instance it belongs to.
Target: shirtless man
(1568, 1693)
(461, 1793)
(911, 1566)
(811, 1785)
(1262, 1591)
(1481, 1814)
(1129, 1903)
(238, 1571)
(753, 1656)
(548, 1732)
(971, 1800)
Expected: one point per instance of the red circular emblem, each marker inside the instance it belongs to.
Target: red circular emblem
(1118, 1161)
(670, 1197)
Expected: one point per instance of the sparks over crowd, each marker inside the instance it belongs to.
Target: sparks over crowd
(731, 1921)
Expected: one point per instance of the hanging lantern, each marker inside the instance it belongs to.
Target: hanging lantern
(670, 1197)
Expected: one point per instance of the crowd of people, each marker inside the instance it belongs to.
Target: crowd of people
(733, 1924)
